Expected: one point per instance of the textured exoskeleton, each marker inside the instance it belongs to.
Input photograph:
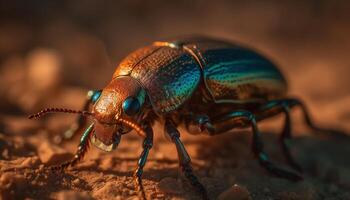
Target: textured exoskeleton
(182, 82)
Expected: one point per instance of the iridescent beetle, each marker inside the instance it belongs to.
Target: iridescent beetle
(184, 81)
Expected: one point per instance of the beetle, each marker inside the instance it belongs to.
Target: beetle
(179, 82)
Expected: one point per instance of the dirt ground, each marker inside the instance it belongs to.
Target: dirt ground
(52, 53)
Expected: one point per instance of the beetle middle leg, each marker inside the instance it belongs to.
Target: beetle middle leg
(242, 119)
(325, 131)
(184, 158)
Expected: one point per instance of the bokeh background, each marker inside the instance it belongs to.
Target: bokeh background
(79, 43)
(52, 52)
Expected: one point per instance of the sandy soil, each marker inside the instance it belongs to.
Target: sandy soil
(51, 59)
(224, 164)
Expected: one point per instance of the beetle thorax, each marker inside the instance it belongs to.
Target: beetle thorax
(109, 105)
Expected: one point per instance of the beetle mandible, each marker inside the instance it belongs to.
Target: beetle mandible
(180, 81)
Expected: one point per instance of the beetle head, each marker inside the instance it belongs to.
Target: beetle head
(115, 112)
(120, 101)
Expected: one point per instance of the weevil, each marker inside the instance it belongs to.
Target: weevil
(182, 82)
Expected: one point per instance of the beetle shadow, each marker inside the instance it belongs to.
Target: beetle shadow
(155, 170)
(323, 160)
(51, 181)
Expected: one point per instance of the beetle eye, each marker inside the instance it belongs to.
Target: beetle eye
(131, 106)
(94, 95)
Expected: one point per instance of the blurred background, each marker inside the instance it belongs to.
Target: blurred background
(52, 52)
(49, 45)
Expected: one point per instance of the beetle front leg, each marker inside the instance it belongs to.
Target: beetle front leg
(82, 149)
(91, 97)
(184, 158)
(147, 145)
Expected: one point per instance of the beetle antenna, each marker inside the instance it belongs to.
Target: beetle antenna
(58, 110)
(133, 125)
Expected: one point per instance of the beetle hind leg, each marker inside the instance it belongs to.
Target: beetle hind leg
(285, 136)
(281, 106)
(309, 122)
(242, 119)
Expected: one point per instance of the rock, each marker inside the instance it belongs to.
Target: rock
(52, 154)
(344, 177)
(9, 183)
(169, 185)
(5, 154)
(86, 164)
(110, 190)
(30, 162)
(76, 182)
(107, 163)
(73, 195)
(235, 192)
(9, 179)
(213, 184)
(288, 195)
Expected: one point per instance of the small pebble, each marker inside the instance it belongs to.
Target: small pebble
(5, 154)
(107, 163)
(52, 154)
(235, 192)
(30, 162)
(73, 195)
(108, 190)
(76, 182)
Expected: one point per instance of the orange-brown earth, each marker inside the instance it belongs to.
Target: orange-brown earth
(51, 55)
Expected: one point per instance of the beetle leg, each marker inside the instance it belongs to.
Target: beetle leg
(244, 119)
(309, 122)
(184, 158)
(197, 123)
(285, 136)
(82, 149)
(278, 106)
(81, 120)
(147, 145)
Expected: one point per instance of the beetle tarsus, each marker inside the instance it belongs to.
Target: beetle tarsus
(272, 168)
(188, 172)
(139, 186)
